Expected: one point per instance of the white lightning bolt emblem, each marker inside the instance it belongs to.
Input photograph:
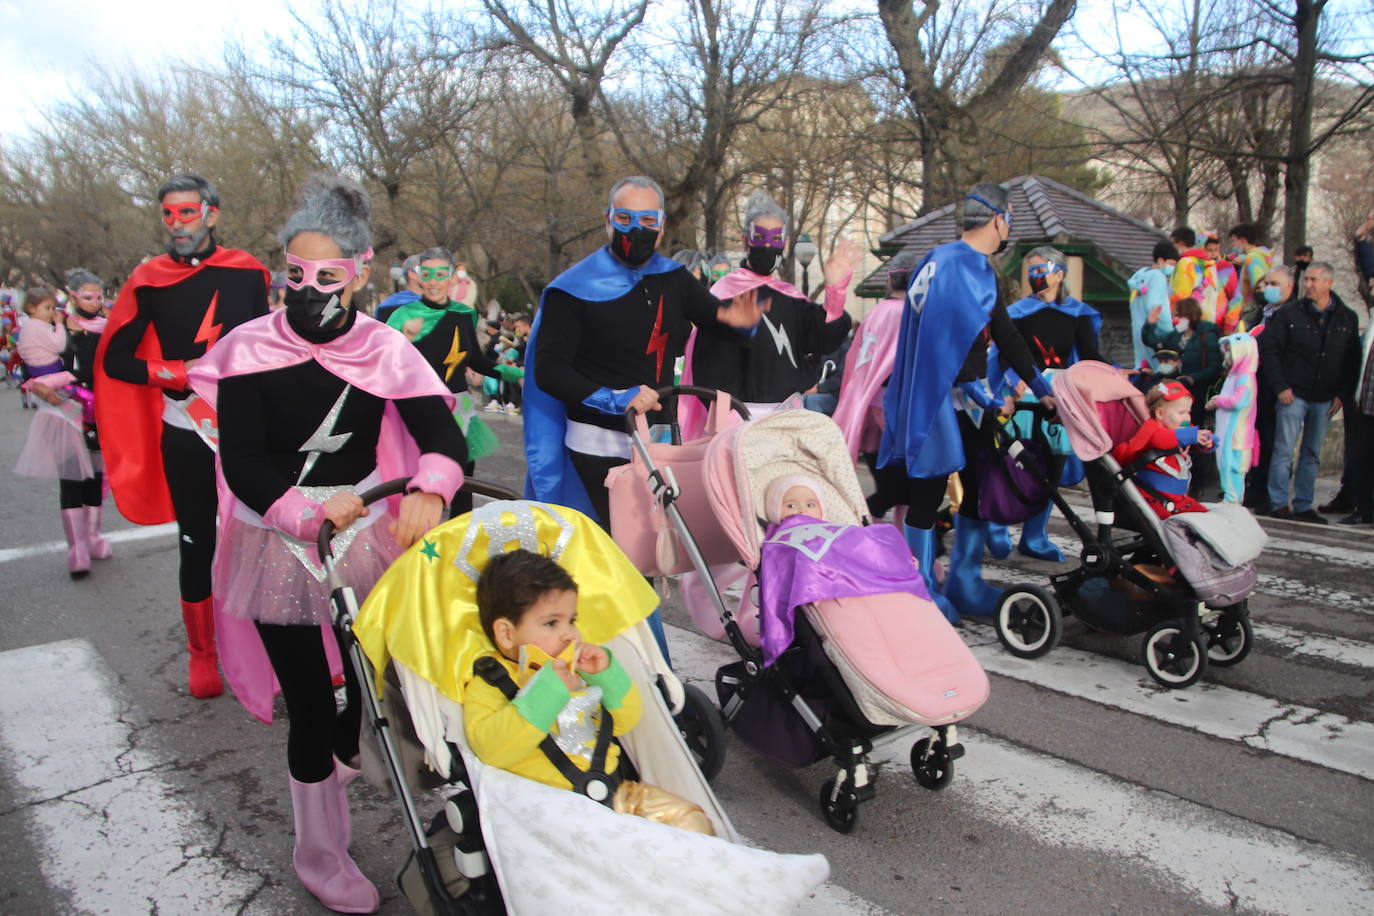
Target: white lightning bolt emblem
(330, 311)
(324, 439)
(780, 340)
(866, 349)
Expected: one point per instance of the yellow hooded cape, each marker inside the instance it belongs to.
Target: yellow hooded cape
(423, 611)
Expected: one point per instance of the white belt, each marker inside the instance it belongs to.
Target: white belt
(174, 413)
(596, 440)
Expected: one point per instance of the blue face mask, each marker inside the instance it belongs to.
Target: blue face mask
(1168, 270)
(1272, 294)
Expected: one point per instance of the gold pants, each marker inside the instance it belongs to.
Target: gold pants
(661, 806)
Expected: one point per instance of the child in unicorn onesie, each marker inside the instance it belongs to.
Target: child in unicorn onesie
(1237, 441)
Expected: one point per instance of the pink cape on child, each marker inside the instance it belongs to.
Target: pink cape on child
(371, 356)
(867, 369)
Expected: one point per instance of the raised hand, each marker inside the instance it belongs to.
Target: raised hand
(743, 311)
(844, 259)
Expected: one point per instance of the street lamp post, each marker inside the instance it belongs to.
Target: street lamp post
(805, 250)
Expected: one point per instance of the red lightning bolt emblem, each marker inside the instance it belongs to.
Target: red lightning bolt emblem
(658, 341)
(1050, 357)
(209, 332)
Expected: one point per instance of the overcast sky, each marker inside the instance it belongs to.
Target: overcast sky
(44, 44)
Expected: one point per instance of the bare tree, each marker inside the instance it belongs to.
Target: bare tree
(573, 44)
(938, 50)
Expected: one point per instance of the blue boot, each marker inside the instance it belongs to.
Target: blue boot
(922, 544)
(1035, 539)
(964, 585)
(999, 541)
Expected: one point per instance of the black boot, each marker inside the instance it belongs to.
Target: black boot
(1341, 502)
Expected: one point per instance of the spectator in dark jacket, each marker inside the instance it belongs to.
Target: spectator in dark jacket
(1311, 353)
(1359, 413)
(1277, 289)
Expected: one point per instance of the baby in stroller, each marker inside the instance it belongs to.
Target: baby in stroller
(545, 705)
(1164, 481)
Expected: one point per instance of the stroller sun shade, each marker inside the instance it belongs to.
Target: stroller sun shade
(1098, 407)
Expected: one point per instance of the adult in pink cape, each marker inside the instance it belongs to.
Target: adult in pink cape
(766, 369)
(314, 404)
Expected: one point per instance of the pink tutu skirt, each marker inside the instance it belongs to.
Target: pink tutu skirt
(55, 446)
(265, 580)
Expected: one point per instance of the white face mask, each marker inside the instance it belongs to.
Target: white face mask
(1181, 325)
(462, 275)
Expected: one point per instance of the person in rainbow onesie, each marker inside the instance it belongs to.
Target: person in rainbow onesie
(1253, 262)
(1237, 441)
(1195, 275)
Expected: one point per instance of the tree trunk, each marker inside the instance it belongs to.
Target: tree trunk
(1306, 15)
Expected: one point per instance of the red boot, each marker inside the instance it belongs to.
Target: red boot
(203, 670)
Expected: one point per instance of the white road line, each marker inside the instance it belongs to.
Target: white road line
(1300, 732)
(1223, 860)
(1329, 648)
(122, 536)
(113, 833)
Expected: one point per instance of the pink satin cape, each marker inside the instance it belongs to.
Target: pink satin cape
(372, 357)
(867, 368)
(691, 414)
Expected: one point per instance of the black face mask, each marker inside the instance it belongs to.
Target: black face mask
(634, 246)
(312, 309)
(761, 259)
(1039, 284)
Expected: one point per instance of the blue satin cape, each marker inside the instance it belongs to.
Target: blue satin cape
(949, 302)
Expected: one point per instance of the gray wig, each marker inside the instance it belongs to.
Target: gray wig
(977, 214)
(1052, 255)
(434, 254)
(187, 181)
(761, 205)
(78, 277)
(688, 258)
(635, 181)
(409, 264)
(334, 206)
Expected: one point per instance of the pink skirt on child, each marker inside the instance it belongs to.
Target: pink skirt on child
(55, 446)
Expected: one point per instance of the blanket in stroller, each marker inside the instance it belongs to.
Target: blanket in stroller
(807, 560)
(1214, 551)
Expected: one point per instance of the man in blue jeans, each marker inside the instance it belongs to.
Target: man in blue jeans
(1310, 350)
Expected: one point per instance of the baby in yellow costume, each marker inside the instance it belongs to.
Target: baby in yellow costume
(527, 604)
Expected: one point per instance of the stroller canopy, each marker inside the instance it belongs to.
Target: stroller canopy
(423, 611)
(1098, 407)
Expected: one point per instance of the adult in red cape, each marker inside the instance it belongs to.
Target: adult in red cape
(766, 369)
(159, 456)
(316, 404)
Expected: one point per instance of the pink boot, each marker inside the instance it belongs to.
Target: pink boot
(78, 556)
(321, 858)
(100, 548)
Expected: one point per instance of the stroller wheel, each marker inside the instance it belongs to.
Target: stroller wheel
(702, 730)
(932, 766)
(1171, 657)
(1228, 638)
(1028, 621)
(840, 808)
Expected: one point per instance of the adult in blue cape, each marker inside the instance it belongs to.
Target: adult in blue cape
(1060, 331)
(608, 332)
(938, 393)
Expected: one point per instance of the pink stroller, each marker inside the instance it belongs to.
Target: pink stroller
(857, 672)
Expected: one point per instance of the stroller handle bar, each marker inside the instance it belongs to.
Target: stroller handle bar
(705, 394)
(396, 487)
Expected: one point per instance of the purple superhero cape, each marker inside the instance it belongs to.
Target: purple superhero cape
(806, 560)
(370, 356)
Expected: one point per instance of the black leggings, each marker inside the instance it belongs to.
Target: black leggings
(73, 494)
(462, 502)
(190, 468)
(316, 730)
(925, 494)
(592, 469)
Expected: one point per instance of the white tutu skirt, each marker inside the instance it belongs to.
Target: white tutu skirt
(56, 446)
(263, 579)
